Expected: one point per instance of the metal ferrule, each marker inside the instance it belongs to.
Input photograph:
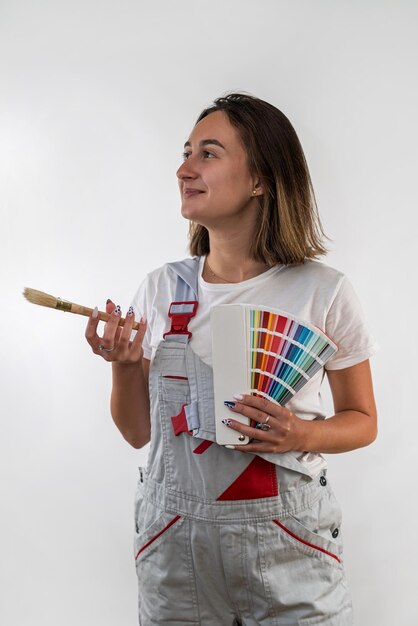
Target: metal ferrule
(63, 305)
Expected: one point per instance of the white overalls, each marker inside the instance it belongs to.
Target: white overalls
(222, 537)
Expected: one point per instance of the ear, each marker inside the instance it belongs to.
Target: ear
(258, 188)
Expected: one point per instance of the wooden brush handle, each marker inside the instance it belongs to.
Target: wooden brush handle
(78, 309)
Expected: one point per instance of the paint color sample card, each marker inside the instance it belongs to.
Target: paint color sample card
(229, 353)
(266, 352)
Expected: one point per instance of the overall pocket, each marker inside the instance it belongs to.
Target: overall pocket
(316, 531)
(166, 586)
(151, 523)
(144, 541)
(310, 543)
(301, 563)
(174, 387)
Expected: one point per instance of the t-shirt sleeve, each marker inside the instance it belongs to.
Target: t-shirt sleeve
(346, 325)
(141, 307)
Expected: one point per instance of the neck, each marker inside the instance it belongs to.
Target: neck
(229, 258)
(227, 265)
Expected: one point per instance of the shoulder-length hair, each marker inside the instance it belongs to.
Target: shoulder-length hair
(289, 230)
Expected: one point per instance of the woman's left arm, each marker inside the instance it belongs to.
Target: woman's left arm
(353, 425)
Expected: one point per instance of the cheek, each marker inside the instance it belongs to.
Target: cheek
(241, 178)
(229, 183)
(238, 189)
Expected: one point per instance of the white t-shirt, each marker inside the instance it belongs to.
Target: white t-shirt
(313, 292)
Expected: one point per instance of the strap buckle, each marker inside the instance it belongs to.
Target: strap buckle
(180, 314)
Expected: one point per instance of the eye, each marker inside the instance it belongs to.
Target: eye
(186, 155)
(208, 155)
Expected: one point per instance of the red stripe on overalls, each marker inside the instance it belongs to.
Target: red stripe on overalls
(176, 377)
(306, 543)
(173, 521)
(202, 447)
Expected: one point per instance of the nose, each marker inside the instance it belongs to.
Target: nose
(186, 170)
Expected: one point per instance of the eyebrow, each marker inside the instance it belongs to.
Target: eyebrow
(206, 142)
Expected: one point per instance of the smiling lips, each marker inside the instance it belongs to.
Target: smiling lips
(188, 192)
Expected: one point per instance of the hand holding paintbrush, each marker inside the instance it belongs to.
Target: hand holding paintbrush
(44, 299)
(115, 340)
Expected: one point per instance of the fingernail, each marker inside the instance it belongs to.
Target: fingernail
(227, 422)
(117, 310)
(229, 447)
(95, 313)
(229, 404)
(238, 396)
(131, 310)
(108, 300)
(143, 319)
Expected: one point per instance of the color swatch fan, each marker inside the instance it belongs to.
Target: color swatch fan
(266, 352)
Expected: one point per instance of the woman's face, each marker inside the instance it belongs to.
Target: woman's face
(214, 180)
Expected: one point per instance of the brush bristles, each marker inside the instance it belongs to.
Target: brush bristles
(39, 297)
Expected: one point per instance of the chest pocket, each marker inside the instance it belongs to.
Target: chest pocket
(175, 388)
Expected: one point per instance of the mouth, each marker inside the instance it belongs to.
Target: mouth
(188, 193)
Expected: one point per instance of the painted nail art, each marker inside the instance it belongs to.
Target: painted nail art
(238, 396)
(227, 422)
(95, 313)
(131, 310)
(117, 310)
(108, 300)
(229, 447)
(229, 404)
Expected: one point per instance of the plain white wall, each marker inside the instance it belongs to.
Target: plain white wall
(96, 100)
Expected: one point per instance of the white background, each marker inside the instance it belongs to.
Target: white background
(96, 100)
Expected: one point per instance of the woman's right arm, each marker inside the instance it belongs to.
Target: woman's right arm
(129, 402)
(130, 396)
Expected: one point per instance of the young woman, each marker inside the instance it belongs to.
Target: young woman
(249, 535)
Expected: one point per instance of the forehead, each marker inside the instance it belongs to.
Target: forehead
(216, 126)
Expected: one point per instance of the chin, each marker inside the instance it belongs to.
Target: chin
(186, 214)
(190, 214)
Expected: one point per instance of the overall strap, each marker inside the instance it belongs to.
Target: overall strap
(187, 278)
(185, 304)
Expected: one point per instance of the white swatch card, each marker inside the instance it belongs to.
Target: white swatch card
(230, 367)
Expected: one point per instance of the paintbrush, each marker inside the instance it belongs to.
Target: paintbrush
(44, 299)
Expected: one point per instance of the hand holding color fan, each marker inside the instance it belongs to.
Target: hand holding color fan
(265, 352)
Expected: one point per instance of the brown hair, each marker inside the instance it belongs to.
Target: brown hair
(289, 229)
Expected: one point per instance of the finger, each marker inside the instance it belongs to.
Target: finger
(254, 414)
(124, 336)
(110, 329)
(256, 447)
(252, 433)
(91, 328)
(110, 306)
(257, 402)
(117, 335)
(136, 347)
